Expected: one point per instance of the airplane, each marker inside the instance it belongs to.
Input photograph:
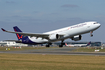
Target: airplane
(78, 45)
(73, 32)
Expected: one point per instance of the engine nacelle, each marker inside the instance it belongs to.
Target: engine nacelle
(77, 38)
(55, 36)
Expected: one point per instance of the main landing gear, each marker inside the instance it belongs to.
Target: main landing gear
(48, 45)
(91, 33)
(61, 44)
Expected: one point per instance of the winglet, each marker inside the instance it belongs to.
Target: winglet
(3, 29)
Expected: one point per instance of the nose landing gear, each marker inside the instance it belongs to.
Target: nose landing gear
(91, 33)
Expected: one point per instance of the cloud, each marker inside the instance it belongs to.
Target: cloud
(10, 2)
(69, 6)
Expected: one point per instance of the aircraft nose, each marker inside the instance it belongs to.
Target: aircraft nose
(99, 25)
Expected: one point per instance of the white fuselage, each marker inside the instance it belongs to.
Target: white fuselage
(68, 32)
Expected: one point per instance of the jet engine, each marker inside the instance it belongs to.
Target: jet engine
(77, 38)
(57, 36)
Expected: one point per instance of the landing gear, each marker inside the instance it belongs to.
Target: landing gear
(48, 45)
(91, 33)
(61, 44)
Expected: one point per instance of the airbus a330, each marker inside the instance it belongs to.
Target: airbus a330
(73, 32)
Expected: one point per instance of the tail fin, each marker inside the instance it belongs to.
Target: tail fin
(88, 43)
(24, 39)
(19, 36)
(67, 45)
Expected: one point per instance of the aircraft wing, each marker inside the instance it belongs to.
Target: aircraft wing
(17, 41)
(43, 36)
(46, 36)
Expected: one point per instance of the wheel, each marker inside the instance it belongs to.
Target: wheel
(60, 45)
(91, 35)
(47, 46)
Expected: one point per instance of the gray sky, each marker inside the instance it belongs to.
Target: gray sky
(38, 16)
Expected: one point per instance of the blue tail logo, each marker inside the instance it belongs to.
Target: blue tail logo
(19, 36)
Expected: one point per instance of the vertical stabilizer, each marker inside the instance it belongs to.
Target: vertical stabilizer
(88, 43)
(19, 36)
